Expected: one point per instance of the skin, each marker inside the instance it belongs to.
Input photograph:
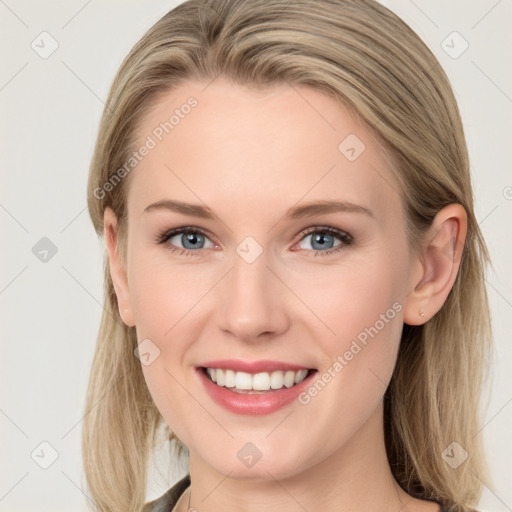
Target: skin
(250, 155)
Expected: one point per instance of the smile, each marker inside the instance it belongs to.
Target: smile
(254, 393)
(243, 382)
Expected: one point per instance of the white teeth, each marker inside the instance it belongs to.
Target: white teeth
(276, 380)
(242, 380)
(300, 376)
(220, 378)
(229, 378)
(289, 379)
(263, 381)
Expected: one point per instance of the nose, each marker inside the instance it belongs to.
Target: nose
(252, 301)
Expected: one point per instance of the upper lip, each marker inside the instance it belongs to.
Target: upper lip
(238, 365)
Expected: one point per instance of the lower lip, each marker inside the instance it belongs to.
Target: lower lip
(254, 404)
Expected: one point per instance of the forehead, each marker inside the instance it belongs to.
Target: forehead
(237, 148)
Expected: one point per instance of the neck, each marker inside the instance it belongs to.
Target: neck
(356, 477)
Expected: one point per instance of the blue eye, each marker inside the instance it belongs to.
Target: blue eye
(189, 241)
(322, 240)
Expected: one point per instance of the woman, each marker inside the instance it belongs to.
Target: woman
(294, 281)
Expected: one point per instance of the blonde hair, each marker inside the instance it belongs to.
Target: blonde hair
(366, 57)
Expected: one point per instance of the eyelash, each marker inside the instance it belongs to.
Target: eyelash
(345, 237)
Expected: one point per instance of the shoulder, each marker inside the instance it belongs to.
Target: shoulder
(167, 501)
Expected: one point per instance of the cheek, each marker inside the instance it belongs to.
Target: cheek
(163, 303)
(358, 355)
(166, 299)
(162, 293)
(168, 389)
(352, 296)
(360, 307)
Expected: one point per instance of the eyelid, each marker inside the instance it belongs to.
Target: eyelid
(325, 229)
(166, 234)
(204, 231)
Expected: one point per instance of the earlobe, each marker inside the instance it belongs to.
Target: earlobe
(116, 265)
(435, 272)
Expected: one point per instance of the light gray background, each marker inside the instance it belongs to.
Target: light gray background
(50, 312)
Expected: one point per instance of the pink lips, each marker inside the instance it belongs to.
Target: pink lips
(252, 404)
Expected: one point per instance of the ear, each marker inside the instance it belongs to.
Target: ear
(117, 270)
(435, 271)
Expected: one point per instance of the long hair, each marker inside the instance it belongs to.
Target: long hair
(364, 56)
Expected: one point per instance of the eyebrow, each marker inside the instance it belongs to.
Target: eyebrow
(296, 212)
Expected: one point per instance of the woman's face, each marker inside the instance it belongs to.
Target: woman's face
(255, 276)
